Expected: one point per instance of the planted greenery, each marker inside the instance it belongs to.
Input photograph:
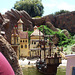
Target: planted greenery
(63, 40)
(29, 33)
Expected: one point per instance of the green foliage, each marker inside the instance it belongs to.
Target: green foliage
(63, 40)
(47, 31)
(60, 12)
(32, 7)
(37, 17)
(29, 33)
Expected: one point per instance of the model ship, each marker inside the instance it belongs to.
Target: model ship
(49, 62)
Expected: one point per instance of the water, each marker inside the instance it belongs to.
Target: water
(33, 71)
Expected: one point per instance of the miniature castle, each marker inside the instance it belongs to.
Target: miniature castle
(19, 40)
(34, 42)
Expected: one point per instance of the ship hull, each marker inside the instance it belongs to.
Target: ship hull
(47, 69)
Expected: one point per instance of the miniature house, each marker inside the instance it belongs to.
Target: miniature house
(70, 70)
(34, 41)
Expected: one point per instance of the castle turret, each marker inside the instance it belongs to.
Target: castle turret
(20, 25)
(15, 41)
(15, 37)
(35, 27)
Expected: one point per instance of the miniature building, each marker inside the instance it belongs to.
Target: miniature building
(20, 25)
(15, 41)
(20, 40)
(24, 47)
(34, 41)
(70, 70)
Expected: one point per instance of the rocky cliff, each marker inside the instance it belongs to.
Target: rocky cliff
(10, 55)
(10, 18)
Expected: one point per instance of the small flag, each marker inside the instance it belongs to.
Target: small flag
(15, 26)
(38, 26)
(20, 16)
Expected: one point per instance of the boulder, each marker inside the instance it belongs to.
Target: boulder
(9, 53)
(73, 48)
(51, 26)
(66, 33)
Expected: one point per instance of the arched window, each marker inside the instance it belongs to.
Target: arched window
(23, 40)
(25, 46)
(20, 40)
(34, 42)
(21, 46)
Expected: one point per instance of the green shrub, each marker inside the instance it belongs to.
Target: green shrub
(63, 40)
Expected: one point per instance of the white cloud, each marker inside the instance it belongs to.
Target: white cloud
(66, 6)
(2, 11)
(52, 6)
(48, 5)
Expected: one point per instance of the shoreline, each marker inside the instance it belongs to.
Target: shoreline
(25, 63)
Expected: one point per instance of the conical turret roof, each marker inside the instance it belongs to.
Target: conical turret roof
(20, 21)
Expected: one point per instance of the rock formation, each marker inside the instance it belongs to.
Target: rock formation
(66, 33)
(10, 55)
(51, 26)
(73, 48)
(66, 21)
(10, 18)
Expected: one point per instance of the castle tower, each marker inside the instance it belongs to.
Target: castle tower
(20, 25)
(35, 27)
(15, 41)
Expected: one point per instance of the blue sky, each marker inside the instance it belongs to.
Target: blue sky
(50, 6)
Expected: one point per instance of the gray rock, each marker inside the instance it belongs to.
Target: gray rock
(66, 33)
(73, 48)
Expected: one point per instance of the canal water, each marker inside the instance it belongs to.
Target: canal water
(33, 71)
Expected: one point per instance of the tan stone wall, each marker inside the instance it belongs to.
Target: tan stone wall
(25, 50)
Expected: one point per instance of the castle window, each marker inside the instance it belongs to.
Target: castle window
(21, 46)
(23, 40)
(34, 42)
(25, 46)
(20, 40)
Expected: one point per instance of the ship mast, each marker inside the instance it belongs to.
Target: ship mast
(40, 44)
(44, 43)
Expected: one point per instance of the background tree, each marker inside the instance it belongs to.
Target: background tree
(60, 12)
(32, 7)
